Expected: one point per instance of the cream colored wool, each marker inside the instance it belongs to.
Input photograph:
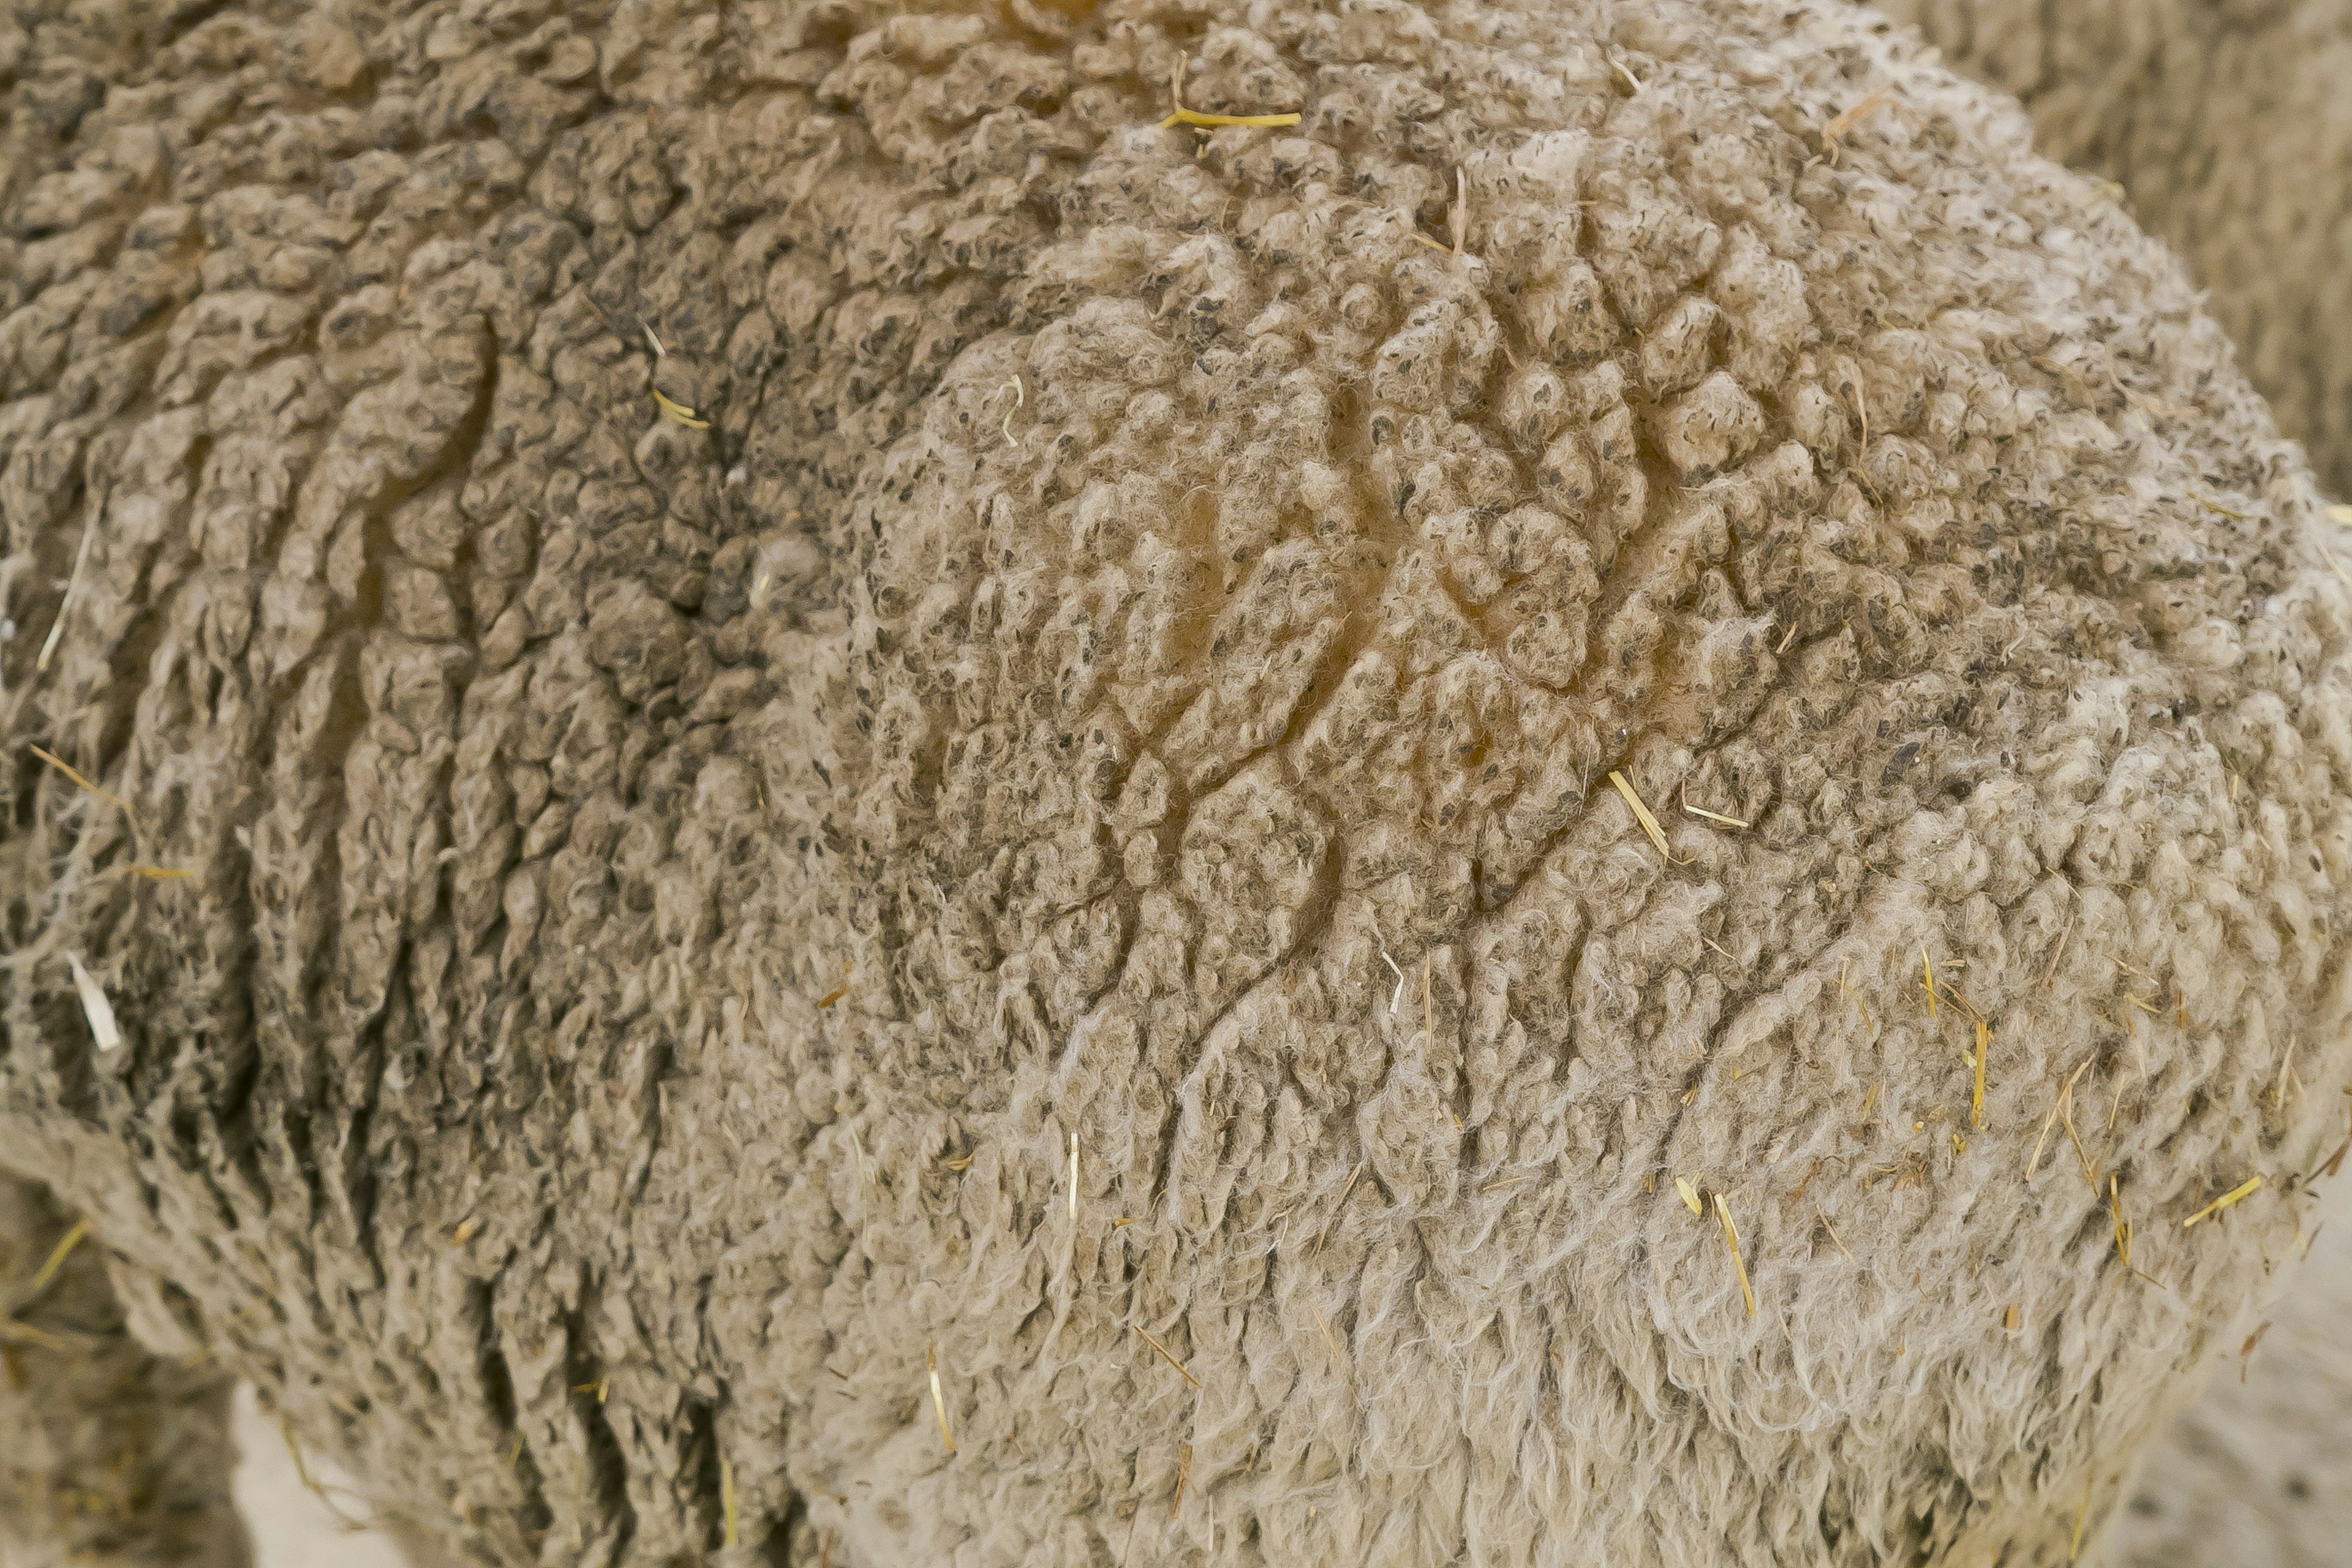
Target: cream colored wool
(2228, 122)
(1024, 952)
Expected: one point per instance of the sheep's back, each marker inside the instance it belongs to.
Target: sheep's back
(1032, 940)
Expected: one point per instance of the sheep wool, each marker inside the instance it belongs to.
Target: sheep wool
(2227, 125)
(1561, 817)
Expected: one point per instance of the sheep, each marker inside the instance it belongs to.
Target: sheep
(2224, 124)
(1215, 783)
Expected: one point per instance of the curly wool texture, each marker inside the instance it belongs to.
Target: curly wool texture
(1124, 693)
(2227, 125)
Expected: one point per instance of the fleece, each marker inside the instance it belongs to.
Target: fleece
(831, 786)
(2225, 121)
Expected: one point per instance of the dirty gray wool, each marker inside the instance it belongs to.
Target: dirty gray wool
(1126, 689)
(108, 1454)
(2228, 122)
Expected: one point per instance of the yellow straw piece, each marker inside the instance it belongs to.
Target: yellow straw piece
(1929, 971)
(2244, 1189)
(58, 1255)
(1710, 815)
(1975, 1102)
(2123, 1226)
(1690, 1194)
(59, 763)
(938, 1400)
(1170, 1359)
(1731, 1239)
(677, 413)
(1642, 815)
(1183, 116)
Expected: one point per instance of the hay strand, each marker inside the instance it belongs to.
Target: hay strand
(1710, 815)
(14, 1332)
(1339, 1209)
(2246, 1351)
(1170, 1359)
(64, 767)
(2051, 1122)
(2066, 1115)
(2116, 1212)
(65, 605)
(310, 1482)
(2333, 1163)
(1976, 1099)
(1642, 815)
(1731, 1239)
(1831, 133)
(2050, 974)
(677, 413)
(939, 1399)
(1183, 116)
(55, 1260)
(2244, 1189)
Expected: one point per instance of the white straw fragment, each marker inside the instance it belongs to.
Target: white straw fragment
(95, 1006)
